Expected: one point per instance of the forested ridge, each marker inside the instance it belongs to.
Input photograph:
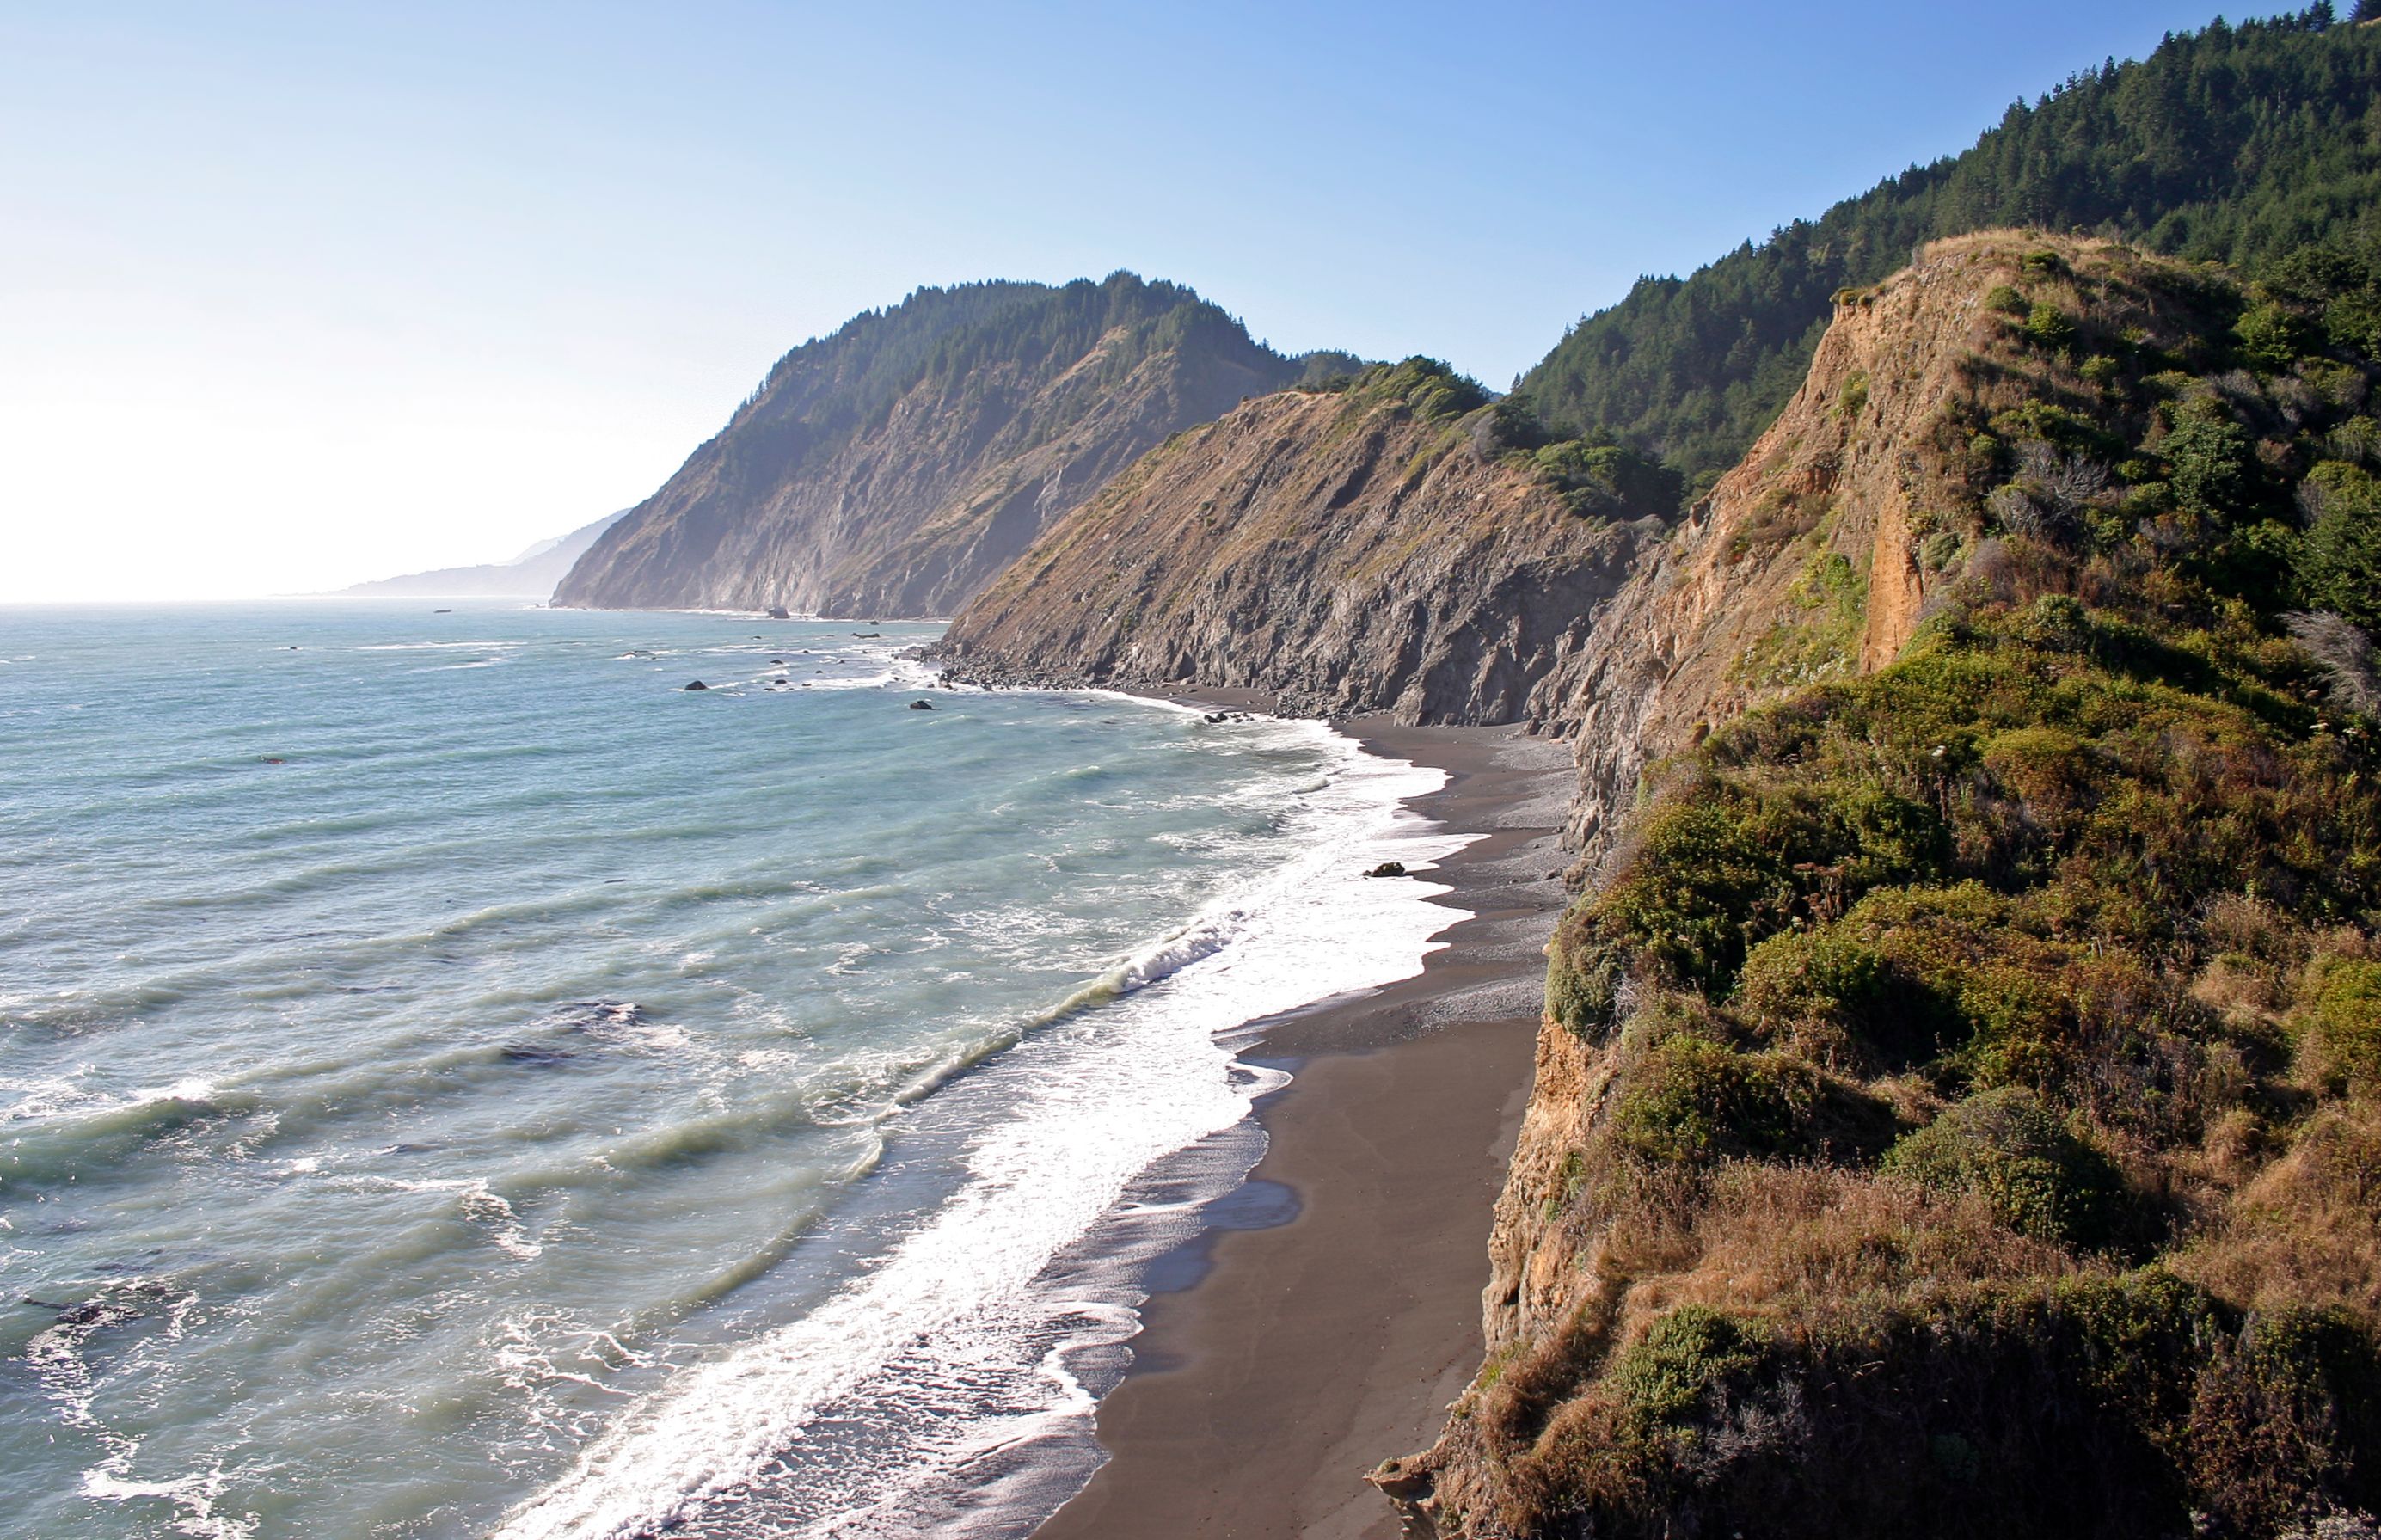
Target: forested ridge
(2236, 143)
(824, 393)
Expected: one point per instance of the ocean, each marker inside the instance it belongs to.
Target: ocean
(456, 1082)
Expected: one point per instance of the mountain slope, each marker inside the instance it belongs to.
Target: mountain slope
(1374, 548)
(894, 468)
(2234, 143)
(1959, 1104)
(531, 575)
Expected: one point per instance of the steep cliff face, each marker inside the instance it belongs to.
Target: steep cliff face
(1808, 561)
(1943, 1118)
(894, 468)
(1368, 549)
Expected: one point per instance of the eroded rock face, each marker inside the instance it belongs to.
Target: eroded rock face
(1343, 552)
(1744, 603)
(892, 470)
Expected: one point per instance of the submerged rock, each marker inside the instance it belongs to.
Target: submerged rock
(921, 705)
(697, 684)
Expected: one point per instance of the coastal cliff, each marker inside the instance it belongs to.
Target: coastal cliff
(894, 468)
(1814, 558)
(1959, 1094)
(1387, 545)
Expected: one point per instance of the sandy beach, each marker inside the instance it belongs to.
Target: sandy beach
(1307, 1353)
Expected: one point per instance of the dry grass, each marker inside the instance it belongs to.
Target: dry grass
(2307, 1230)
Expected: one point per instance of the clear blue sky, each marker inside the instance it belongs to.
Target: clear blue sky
(293, 295)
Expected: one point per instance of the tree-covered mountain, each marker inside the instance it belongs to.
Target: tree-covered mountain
(2235, 143)
(894, 467)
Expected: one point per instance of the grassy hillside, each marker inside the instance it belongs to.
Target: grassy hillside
(1980, 1130)
(2237, 145)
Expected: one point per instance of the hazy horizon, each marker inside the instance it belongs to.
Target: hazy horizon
(299, 301)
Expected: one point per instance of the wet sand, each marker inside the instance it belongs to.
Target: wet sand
(1307, 1353)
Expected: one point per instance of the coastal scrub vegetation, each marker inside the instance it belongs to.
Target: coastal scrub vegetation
(1983, 1095)
(1595, 477)
(2240, 143)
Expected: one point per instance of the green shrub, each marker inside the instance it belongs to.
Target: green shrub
(2048, 326)
(1604, 481)
(1721, 870)
(2056, 623)
(1826, 976)
(1684, 1364)
(2049, 767)
(2007, 301)
(1820, 638)
(2339, 1006)
(1583, 978)
(2212, 465)
(2338, 565)
(2273, 338)
(1431, 389)
(2010, 1149)
(1689, 1099)
(1853, 399)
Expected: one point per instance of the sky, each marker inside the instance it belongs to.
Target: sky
(293, 296)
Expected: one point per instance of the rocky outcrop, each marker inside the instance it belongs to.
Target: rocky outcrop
(1806, 562)
(896, 466)
(1371, 549)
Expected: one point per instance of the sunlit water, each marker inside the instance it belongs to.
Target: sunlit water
(455, 1081)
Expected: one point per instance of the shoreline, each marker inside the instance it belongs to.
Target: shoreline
(1286, 1360)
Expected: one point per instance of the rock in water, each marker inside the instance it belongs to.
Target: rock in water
(1388, 869)
(698, 684)
(921, 705)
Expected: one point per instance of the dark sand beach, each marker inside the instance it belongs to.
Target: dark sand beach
(1308, 1353)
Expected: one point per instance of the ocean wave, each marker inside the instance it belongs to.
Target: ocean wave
(950, 1312)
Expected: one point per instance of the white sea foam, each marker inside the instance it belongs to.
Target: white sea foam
(352, 1055)
(953, 1307)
